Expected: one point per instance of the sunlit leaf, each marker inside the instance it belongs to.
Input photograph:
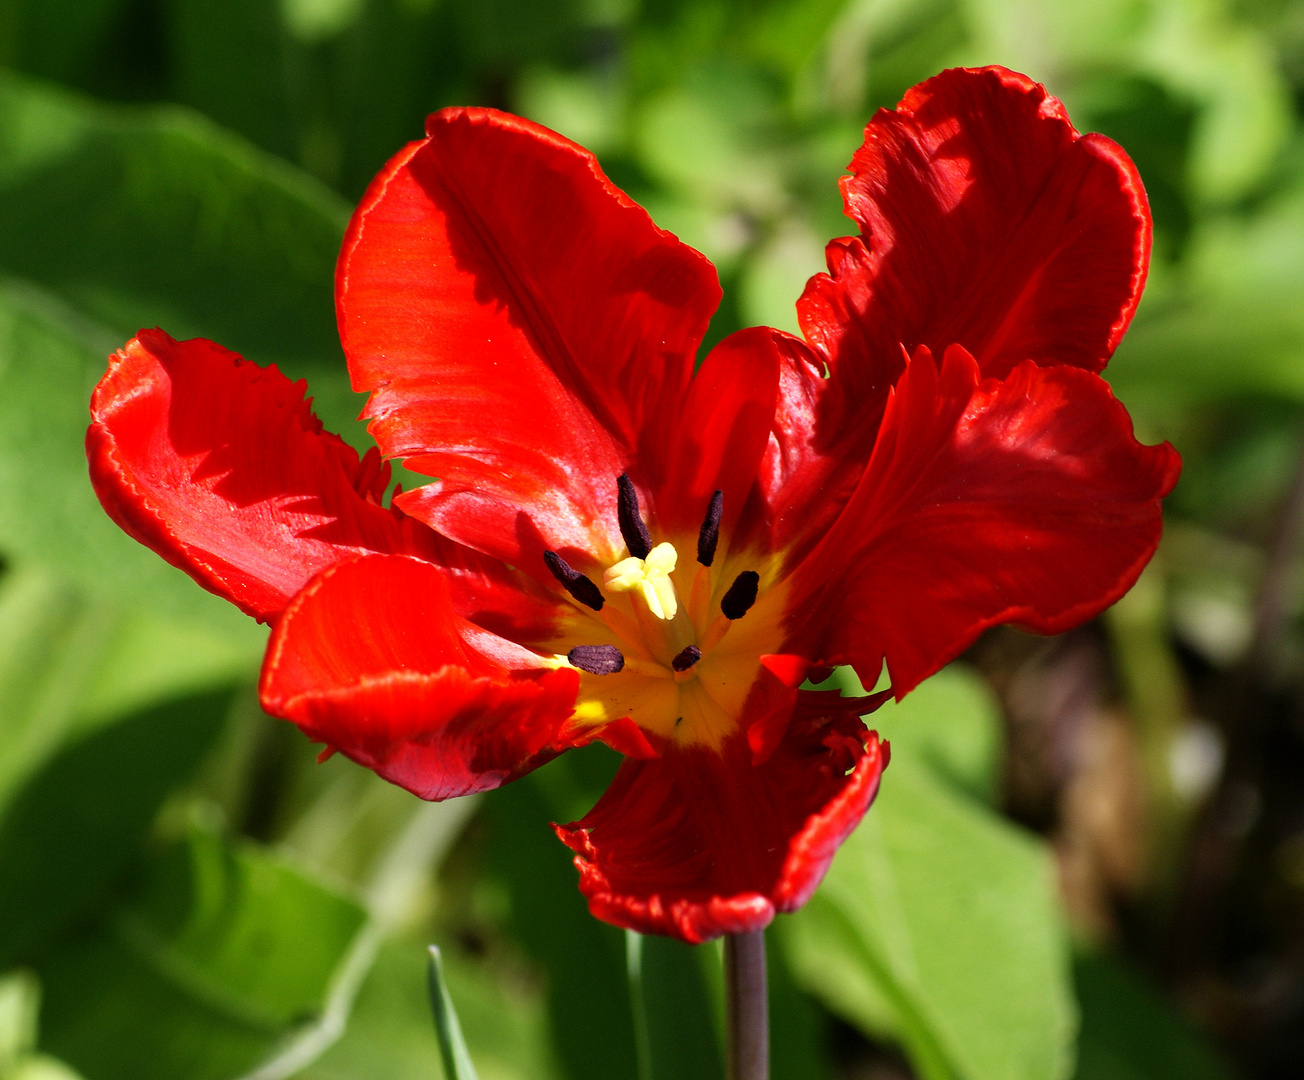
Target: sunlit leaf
(937, 926)
(143, 216)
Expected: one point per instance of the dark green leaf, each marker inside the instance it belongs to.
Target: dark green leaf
(583, 959)
(227, 952)
(683, 1035)
(70, 831)
(1129, 1032)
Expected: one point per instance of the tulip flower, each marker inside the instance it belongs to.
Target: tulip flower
(617, 544)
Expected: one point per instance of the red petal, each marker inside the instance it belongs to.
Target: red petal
(986, 221)
(1026, 500)
(696, 844)
(371, 659)
(524, 329)
(221, 467)
(721, 431)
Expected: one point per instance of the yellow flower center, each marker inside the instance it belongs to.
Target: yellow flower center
(685, 667)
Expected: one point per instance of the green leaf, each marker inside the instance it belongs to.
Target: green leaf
(582, 958)
(106, 712)
(683, 1038)
(70, 664)
(70, 831)
(951, 722)
(20, 1003)
(452, 1045)
(1129, 1032)
(937, 926)
(143, 216)
(228, 950)
(55, 38)
(50, 360)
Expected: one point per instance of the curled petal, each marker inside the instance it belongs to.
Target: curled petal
(1024, 500)
(524, 330)
(696, 844)
(986, 221)
(221, 467)
(372, 659)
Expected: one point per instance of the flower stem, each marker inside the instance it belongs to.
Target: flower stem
(747, 1007)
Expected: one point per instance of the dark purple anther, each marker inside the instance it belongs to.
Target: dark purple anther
(573, 581)
(596, 659)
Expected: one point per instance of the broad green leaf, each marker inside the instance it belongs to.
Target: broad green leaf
(799, 1042)
(71, 663)
(210, 39)
(1129, 1032)
(68, 833)
(937, 926)
(227, 950)
(452, 1045)
(50, 360)
(142, 216)
(951, 722)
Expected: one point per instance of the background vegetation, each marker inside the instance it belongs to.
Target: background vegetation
(1087, 860)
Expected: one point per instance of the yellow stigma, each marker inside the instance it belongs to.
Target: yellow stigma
(650, 578)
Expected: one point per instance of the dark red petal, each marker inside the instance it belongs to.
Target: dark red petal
(1026, 500)
(696, 844)
(986, 221)
(721, 431)
(524, 329)
(371, 659)
(221, 467)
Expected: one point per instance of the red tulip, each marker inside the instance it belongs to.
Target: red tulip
(617, 547)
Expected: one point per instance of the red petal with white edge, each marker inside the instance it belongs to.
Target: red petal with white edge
(986, 221)
(696, 844)
(371, 659)
(221, 467)
(1024, 500)
(524, 329)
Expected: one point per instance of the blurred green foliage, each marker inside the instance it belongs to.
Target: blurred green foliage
(187, 895)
